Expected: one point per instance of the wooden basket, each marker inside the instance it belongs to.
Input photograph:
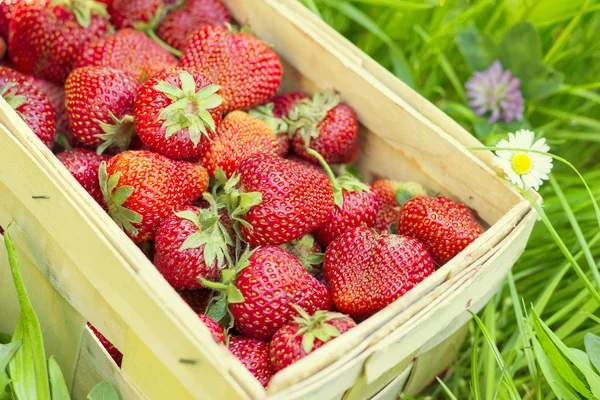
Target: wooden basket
(80, 267)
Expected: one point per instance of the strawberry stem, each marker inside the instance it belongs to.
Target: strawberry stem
(265, 113)
(118, 134)
(304, 118)
(83, 9)
(162, 43)
(115, 197)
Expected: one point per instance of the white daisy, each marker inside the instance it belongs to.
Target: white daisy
(526, 170)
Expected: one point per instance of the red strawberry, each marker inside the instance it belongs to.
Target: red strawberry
(355, 205)
(445, 227)
(83, 165)
(46, 35)
(238, 136)
(129, 50)
(274, 113)
(306, 163)
(100, 106)
(197, 299)
(368, 271)
(248, 71)
(262, 289)
(32, 105)
(112, 350)
(215, 330)
(3, 49)
(254, 356)
(326, 126)
(137, 14)
(178, 26)
(7, 10)
(177, 112)
(142, 188)
(308, 251)
(274, 201)
(56, 94)
(190, 244)
(392, 195)
(304, 335)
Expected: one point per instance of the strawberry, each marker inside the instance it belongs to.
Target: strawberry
(46, 35)
(136, 13)
(248, 71)
(110, 348)
(56, 94)
(274, 113)
(215, 330)
(32, 105)
(355, 205)
(273, 201)
(197, 299)
(142, 188)
(192, 243)
(179, 25)
(445, 227)
(7, 10)
(308, 251)
(129, 50)
(304, 335)
(324, 124)
(261, 289)
(253, 354)
(3, 49)
(177, 112)
(100, 106)
(238, 136)
(306, 163)
(83, 165)
(393, 194)
(368, 271)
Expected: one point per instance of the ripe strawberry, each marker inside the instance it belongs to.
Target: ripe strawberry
(274, 113)
(100, 106)
(355, 205)
(306, 163)
(190, 244)
(238, 136)
(56, 94)
(368, 271)
(177, 112)
(197, 299)
(128, 50)
(445, 227)
(3, 49)
(32, 105)
(304, 335)
(247, 70)
(7, 9)
(393, 194)
(83, 165)
(254, 356)
(274, 201)
(142, 188)
(136, 13)
(308, 251)
(110, 348)
(261, 290)
(46, 35)
(326, 126)
(179, 25)
(215, 330)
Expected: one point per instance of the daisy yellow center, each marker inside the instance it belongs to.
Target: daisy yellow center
(521, 163)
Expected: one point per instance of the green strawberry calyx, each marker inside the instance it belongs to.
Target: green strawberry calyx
(302, 249)
(315, 327)
(265, 113)
(117, 134)
(346, 182)
(211, 233)
(238, 202)
(83, 9)
(189, 108)
(114, 197)
(304, 118)
(225, 290)
(14, 101)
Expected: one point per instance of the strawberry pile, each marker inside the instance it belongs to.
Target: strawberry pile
(172, 120)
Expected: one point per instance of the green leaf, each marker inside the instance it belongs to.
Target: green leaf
(559, 386)
(308, 340)
(57, 381)
(27, 369)
(218, 310)
(103, 391)
(592, 347)
(402, 196)
(234, 295)
(7, 351)
(479, 50)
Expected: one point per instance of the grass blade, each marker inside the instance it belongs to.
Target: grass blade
(57, 381)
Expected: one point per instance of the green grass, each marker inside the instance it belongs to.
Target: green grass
(509, 352)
